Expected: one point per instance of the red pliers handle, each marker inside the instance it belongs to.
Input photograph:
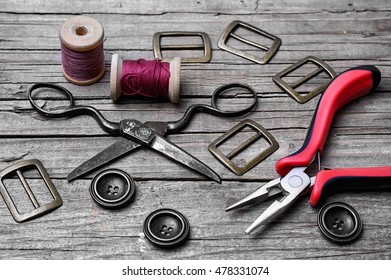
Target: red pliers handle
(346, 87)
(328, 181)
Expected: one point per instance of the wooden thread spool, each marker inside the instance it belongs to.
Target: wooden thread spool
(81, 35)
(116, 73)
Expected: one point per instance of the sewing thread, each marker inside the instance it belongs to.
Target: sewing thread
(83, 66)
(82, 54)
(146, 78)
(154, 79)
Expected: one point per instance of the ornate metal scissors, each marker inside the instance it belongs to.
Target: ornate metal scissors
(136, 134)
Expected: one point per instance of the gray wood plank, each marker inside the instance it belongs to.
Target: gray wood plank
(17, 77)
(80, 229)
(216, 7)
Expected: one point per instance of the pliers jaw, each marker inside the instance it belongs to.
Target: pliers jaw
(291, 186)
(268, 190)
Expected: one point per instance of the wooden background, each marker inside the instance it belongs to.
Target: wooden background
(343, 33)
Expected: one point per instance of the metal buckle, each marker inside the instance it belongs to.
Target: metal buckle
(290, 89)
(206, 45)
(38, 209)
(226, 159)
(229, 32)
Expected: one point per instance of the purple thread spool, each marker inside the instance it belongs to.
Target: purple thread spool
(82, 52)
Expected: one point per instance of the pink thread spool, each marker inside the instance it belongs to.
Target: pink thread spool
(82, 52)
(116, 74)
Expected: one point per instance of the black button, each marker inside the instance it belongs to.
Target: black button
(166, 228)
(339, 222)
(112, 188)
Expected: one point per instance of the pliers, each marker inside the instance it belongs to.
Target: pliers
(294, 181)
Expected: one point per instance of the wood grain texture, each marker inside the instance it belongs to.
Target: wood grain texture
(344, 34)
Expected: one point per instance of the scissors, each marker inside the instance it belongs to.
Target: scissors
(136, 134)
(294, 181)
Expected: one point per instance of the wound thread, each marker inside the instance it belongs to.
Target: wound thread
(154, 79)
(82, 53)
(83, 66)
(145, 78)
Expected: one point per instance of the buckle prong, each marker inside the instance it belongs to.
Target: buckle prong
(27, 189)
(182, 47)
(249, 42)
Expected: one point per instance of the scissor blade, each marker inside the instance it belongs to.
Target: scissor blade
(261, 194)
(170, 150)
(109, 154)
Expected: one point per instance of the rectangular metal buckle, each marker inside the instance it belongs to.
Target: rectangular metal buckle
(290, 89)
(205, 46)
(226, 159)
(229, 32)
(38, 210)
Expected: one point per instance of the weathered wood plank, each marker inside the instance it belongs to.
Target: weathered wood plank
(298, 35)
(289, 116)
(15, 79)
(80, 229)
(62, 155)
(236, 7)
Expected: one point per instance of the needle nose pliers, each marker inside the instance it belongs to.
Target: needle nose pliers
(294, 181)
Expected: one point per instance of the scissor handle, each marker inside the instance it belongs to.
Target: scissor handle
(71, 110)
(213, 108)
(346, 87)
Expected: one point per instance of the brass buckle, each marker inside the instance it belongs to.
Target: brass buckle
(229, 32)
(38, 210)
(206, 45)
(290, 89)
(226, 159)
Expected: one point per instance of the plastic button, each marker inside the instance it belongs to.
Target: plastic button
(112, 188)
(339, 222)
(166, 228)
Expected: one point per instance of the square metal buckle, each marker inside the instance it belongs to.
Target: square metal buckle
(226, 159)
(229, 32)
(38, 210)
(290, 89)
(205, 46)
